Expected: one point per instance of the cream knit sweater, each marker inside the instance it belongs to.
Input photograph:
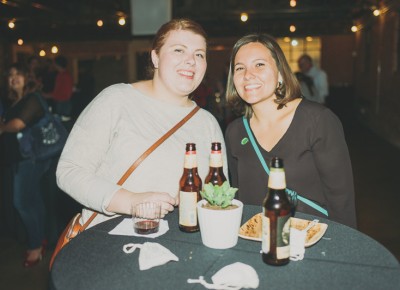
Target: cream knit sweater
(114, 130)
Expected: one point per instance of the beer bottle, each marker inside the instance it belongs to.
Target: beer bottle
(215, 174)
(276, 217)
(189, 194)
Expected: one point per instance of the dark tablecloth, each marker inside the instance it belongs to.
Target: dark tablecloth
(343, 259)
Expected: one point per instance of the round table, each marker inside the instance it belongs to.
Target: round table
(343, 259)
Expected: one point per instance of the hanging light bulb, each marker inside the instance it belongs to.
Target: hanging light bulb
(376, 12)
(354, 28)
(121, 21)
(11, 24)
(292, 28)
(54, 49)
(244, 17)
(293, 3)
(20, 41)
(42, 53)
(100, 23)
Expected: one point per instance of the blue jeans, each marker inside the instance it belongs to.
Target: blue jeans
(28, 198)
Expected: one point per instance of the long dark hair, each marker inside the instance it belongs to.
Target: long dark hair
(30, 84)
(287, 91)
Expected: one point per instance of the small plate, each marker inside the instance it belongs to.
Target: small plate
(251, 230)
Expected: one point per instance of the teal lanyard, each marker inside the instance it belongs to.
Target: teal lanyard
(265, 166)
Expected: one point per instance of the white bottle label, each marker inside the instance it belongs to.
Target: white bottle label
(188, 208)
(265, 246)
(190, 160)
(216, 159)
(277, 179)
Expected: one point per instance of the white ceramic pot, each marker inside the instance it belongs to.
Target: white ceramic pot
(219, 228)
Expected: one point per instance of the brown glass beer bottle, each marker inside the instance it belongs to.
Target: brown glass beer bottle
(215, 174)
(189, 185)
(276, 218)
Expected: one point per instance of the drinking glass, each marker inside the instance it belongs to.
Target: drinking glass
(146, 217)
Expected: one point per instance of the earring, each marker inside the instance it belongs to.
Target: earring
(280, 90)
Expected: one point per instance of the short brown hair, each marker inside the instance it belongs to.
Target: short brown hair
(290, 88)
(172, 25)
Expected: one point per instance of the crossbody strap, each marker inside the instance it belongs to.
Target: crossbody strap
(265, 166)
(147, 153)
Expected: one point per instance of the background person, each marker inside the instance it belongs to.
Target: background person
(124, 120)
(63, 88)
(318, 76)
(25, 175)
(308, 136)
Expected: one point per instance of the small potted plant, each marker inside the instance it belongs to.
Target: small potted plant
(219, 216)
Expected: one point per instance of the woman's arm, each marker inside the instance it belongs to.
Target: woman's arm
(12, 126)
(332, 160)
(87, 147)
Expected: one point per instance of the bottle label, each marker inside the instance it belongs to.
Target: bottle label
(190, 160)
(265, 244)
(215, 159)
(188, 208)
(282, 236)
(277, 179)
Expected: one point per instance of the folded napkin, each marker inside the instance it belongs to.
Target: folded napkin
(151, 254)
(125, 228)
(232, 277)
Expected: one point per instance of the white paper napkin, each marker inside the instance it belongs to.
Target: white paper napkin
(125, 228)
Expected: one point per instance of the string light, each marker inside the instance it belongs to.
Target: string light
(42, 53)
(11, 24)
(244, 17)
(20, 41)
(100, 23)
(54, 49)
(293, 3)
(121, 21)
(292, 28)
(354, 28)
(376, 12)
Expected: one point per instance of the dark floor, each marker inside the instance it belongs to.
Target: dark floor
(375, 167)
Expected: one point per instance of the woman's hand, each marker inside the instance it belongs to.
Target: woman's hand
(167, 201)
(124, 200)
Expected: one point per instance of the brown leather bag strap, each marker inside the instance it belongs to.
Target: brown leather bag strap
(145, 154)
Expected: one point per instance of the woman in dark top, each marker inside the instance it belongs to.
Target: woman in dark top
(307, 135)
(24, 110)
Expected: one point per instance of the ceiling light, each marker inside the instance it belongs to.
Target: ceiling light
(293, 3)
(11, 24)
(292, 28)
(376, 12)
(100, 23)
(54, 49)
(244, 17)
(121, 21)
(42, 53)
(354, 28)
(294, 42)
(20, 41)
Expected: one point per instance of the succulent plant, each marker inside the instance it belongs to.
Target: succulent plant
(218, 195)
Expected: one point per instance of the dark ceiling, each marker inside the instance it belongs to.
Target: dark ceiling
(58, 20)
